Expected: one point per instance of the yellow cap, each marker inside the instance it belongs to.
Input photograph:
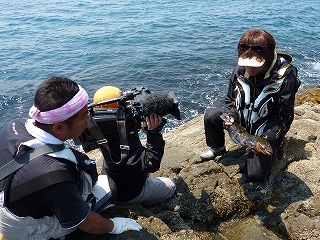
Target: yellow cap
(105, 93)
(2, 237)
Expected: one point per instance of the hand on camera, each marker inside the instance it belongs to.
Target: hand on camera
(154, 123)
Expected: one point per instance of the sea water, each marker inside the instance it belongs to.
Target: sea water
(185, 46)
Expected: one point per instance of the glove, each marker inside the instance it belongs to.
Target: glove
(124, 224)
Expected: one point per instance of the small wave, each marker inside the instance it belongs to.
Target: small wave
(316, 66)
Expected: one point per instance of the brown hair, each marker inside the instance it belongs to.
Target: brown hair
(259, 37)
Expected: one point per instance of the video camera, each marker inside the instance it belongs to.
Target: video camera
(133, 107)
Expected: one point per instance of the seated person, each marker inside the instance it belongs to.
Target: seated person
(260, 98)
(129, 168)
(48, 196)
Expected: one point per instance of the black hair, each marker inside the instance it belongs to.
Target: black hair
(53, 93)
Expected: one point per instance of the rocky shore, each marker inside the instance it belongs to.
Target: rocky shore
(214, 201)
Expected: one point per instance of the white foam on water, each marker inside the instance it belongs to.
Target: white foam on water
(316, 66)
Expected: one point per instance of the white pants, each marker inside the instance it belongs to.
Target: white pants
(155, 190)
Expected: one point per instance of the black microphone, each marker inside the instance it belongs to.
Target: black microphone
(162, 103)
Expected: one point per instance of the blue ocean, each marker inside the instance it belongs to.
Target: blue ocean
(185, 46)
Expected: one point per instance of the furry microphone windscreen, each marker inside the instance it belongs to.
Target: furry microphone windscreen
(161, 104)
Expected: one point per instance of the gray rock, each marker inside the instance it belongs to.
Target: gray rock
(214, 201)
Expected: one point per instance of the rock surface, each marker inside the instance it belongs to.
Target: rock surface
(214, 201)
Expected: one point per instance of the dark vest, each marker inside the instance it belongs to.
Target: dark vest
(40, 172)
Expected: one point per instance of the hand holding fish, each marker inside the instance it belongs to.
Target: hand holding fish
(229, 122)
(249, 149)
(240, 136)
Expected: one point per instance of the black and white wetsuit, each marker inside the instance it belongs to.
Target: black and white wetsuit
(263, 104)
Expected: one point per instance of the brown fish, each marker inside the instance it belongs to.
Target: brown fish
(240, 136)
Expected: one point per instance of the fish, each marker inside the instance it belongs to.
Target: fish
(240, 135)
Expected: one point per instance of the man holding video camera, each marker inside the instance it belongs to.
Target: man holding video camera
(127, 161)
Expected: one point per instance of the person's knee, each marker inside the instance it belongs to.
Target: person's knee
(173, 187)
(170, 187)
(212, 115)
(255, 171)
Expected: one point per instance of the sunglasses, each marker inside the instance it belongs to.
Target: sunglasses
(254, 48)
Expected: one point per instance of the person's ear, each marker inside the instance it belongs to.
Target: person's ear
(59, 130)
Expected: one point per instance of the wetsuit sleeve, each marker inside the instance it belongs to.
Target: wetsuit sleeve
(230, 100)
(153, 153)
(283, 111)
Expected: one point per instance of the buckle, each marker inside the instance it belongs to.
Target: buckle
(124, 147)
(102, 141)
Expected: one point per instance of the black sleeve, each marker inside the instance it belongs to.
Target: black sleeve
(230, 100)
(67, 204)
(283, 112)
(153, 153)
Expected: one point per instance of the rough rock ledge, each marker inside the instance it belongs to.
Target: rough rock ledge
(214, 201)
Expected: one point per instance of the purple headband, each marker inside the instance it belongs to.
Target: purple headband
(62, 113)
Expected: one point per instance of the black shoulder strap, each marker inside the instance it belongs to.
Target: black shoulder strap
(122, 130)
(38, 183)
(23, 159)
(96, 132)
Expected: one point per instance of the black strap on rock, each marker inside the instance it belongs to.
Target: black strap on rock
(23, 159)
